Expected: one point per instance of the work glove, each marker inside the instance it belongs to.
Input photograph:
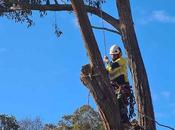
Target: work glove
(106, 59)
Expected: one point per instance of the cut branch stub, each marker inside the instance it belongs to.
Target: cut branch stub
(88, 80)
(102, 98)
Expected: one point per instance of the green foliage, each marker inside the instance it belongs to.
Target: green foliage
(28, 124)
(22, 15)
(95, 3)
(49, 127)
(8, 122)
(84, 118)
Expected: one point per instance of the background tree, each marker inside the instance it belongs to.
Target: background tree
(84, 118)
(29, 124)
(8, 122)
(50, 127)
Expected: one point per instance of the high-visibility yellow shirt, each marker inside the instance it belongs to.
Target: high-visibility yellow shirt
(118, 70)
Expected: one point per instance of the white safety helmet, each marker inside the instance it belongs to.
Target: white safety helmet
(115, 50)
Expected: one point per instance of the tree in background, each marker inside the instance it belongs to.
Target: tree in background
(50, 127)
(29, 124)
(84, 118)
(8, 122)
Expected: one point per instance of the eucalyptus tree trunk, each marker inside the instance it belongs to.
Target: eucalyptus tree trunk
(141, 85)
(94, 76)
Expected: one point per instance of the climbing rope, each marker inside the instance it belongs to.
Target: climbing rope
(159, 124)
(132, 113)
(103, 32)
(88, 97)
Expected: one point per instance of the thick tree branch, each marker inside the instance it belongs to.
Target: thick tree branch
(67, 7)
(106, 29)
(140, 79)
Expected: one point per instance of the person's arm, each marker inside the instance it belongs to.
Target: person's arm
(107, 62)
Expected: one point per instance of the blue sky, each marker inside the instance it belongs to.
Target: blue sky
(39, 73)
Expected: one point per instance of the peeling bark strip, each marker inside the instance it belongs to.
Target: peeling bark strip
(99, 84)
(141, 85)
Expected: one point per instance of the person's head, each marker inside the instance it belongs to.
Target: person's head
(115, 52)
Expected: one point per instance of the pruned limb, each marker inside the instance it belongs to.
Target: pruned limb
(102, 97)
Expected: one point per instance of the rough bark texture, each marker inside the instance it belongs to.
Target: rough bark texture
(141, 85)
(94, 76)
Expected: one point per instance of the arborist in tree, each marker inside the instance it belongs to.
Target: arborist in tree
(117, 70)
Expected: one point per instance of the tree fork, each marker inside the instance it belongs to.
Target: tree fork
(99, 84)
(141, 85)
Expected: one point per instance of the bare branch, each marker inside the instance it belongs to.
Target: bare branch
(106, 29)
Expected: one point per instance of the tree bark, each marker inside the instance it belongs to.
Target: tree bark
(94, 76)
(141, 85)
